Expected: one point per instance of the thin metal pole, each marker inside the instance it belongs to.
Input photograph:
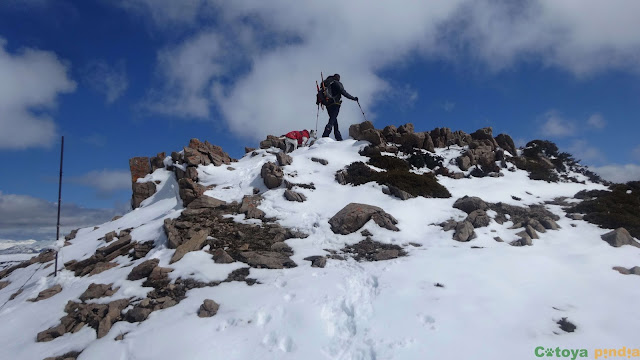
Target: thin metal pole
(55, 271)
(365, 118)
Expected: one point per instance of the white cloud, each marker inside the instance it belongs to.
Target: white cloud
(557, 126)
(284, 46)
(31, 82)
(104, 181)
(27, 217)
(618, 173)
(110, 81)
(583, 150)
(448, 106)
(636, 153)
(597, 121)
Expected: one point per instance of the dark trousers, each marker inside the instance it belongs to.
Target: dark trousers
(333, 111)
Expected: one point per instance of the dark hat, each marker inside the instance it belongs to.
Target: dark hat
(336, 76)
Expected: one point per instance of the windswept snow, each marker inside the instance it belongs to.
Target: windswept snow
(496, 301)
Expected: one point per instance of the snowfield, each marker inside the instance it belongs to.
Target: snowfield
(493, 300)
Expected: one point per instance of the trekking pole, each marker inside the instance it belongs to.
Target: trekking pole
(317, 115)
(365, 118)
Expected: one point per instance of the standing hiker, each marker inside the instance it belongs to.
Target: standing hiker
(332, 101)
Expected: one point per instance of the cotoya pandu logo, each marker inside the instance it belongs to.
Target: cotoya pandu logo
(541, 351)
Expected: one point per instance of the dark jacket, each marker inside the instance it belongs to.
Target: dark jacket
(337, 89)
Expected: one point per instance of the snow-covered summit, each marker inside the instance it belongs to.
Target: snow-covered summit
(254, 266)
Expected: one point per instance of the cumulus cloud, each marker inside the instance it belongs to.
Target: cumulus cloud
(31, 82)
(557, 126)
(104, 181)
(26, 217)
(110, 81)
(284, 46)
(597, 121)
(618, 173)
(583, 150)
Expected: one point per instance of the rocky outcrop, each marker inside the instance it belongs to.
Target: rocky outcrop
(195, 241)
(249, 207)
(470, 204)
(143, 270)
(208, 308)
(199, 153)
(141, 192)
(157, 162)
(317, 261)
(96, 291)
(45, 294)
(266, 259)
(464, 232)
(205, 202)
(140, 167)
(506, 142)
(630, 271)
(272, 175)
(619, 237)
(189, 190)
(283, 159)
(42, 258)
(102, 258)
(353, 216)
(478, 218)
(369, 250)
(273, 141)
(320, 161)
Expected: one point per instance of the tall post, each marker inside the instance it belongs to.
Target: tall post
(55, 271)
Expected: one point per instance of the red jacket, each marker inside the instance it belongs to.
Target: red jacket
(298, 135)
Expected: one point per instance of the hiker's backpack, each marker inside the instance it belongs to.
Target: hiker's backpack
(328, 92)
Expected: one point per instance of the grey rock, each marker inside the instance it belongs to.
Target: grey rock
(222, 257)
(531, 232)
(249, 207)
(469, 204)
(317, 261)
(137, 314)
(463, 162)
(294, 196)
(399, 193)
(536, 225)
(141, 192)
(205, 202)
(281, 247)
(195, 242)
(449, 225)
(272, 175)
(575, 216)
(619, 237)
(95, 291)
(45, 294)
(143, 270)
(283, 159)
(506, 142)
(464, 232)
(321, 161)
(208, 308)
(266, 259)
(549, 223)
(479, 218)
(353, 216)
(525, 240)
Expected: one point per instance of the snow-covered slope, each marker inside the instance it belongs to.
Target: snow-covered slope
(480, 299)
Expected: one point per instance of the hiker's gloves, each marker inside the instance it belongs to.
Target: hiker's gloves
(356, 99)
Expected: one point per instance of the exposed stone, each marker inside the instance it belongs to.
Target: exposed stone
(406, 128)
(283, 159)
(469, 204)
(205, 202)
(370, 250)
(249, 149)
(95, 291)
(506, 142)
(536, 225)
(72, 355)
(139, 167)
(137, 314)
(249, 207)
(222, 257)
(449, 225)
(141, 249)
(266, 259)
(498, 239)
(366, 232)
(45, 294)
(143, 270)
(108, 237)
(4, 284)
(157, 162)
(189, 190)
(51, 333)
(356, 130)
(294, 196)
(101, 267)
(463, 162)
(273, 141)
(208, 308)
(525, 239)
(321, 161)
(400, 194)
(272, 175)
(575, 216)
(619, 237)
(195, 242)
(317, 261)
(549, 223)
(191, 173)
(485, 134)
(479, 218)
(72, 235)
(531, 232)
(141, 192)
(464, 232)
(353, 216)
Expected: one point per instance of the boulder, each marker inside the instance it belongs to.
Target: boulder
(389, 132)
(464, 232)
(137, 314)
(222, 257)
(143, 270)
(370, 250)
(283, 159)
(353, 217)
(356, 131)
(399, 193)
(406, 128)
(45, 294)
(478, 218)
(157, 162)
(139, 167)
(427, 143)
(317, 261)
(485, 134)
(619, 237)
(208, 308)
(72, 235)
(189, 190)
(294, 196)
(506, 142)
(272, 175)
(469, 204)
(266, 259)
(249, 207)
(141, 192)
(205, 202)
(320, 161)
(95, 291)
(273, 141)
(195, 242)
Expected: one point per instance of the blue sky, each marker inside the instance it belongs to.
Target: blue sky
(132, 78)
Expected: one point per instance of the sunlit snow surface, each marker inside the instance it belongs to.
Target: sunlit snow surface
(498, 301)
